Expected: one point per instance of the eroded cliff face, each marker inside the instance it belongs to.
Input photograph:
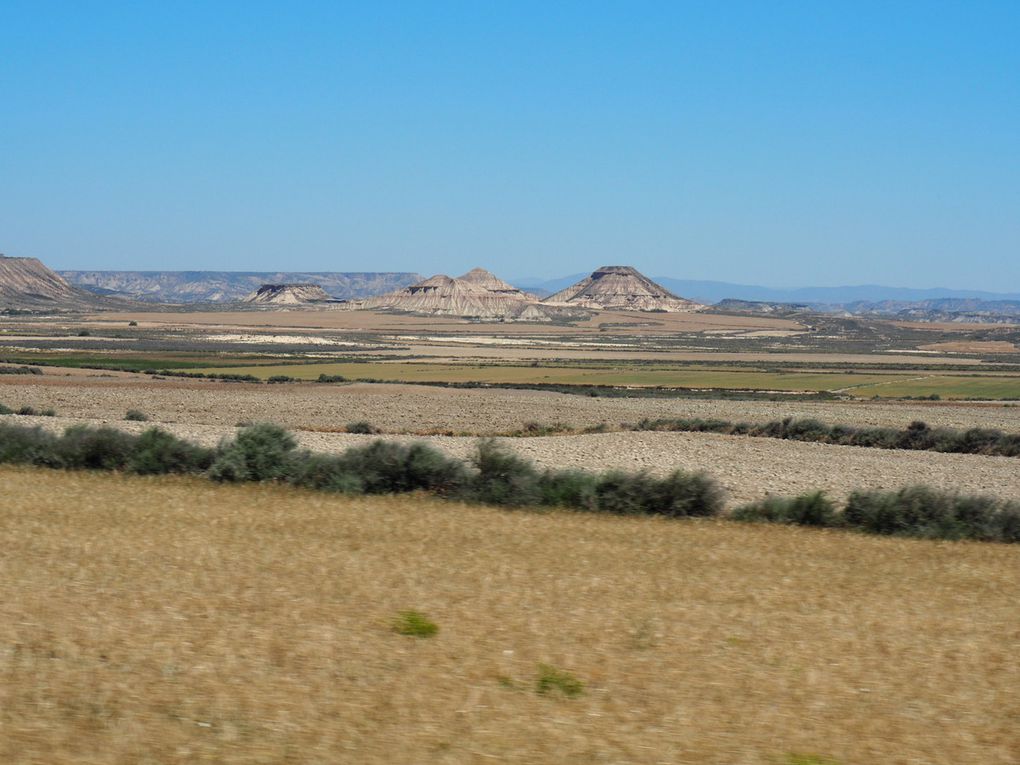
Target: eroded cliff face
(287, 294)
(621, 287)
(27, 283)
(228, 286)
(476, 294)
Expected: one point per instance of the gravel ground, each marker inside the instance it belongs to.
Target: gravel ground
(748, 468)
(421, 409)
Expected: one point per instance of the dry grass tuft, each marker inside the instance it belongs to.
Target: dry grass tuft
(176, 621)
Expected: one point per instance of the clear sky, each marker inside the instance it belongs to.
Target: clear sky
(768, 142)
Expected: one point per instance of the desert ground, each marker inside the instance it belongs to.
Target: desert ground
(189, 622)
(176, 621)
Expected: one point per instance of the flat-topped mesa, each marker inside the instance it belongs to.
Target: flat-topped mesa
(287, 294)
(622, 288)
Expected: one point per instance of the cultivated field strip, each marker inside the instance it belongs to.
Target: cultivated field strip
(415, 408)
(176, 621)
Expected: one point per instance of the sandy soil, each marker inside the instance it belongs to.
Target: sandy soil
(417, 409)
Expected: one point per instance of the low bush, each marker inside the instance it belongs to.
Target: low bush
(275, 379)
(28, 446)
(6, 409)
(917, 436)
(324, 378)
(414, 624)
(550, 680)
(259, 453)
(504, 478)
(917, 511)
(157, 452)
(813, 509)
(135, 415)
(362, 427)
(680, 494)
(920, 511)
(85, 448)
(388, 467)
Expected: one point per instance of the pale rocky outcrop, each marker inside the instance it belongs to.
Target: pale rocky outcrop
(476, 294)
(287, 294)
(27, 283)
(621, 288)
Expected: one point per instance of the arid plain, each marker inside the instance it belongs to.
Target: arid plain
(693, 641)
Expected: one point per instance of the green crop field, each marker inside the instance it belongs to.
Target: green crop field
(862, 385)
(458, 373)
(945, 386)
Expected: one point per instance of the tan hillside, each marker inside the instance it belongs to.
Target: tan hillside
(476, 294)
(287, 294)
(492, 283)
(26, 283)
(621, 287)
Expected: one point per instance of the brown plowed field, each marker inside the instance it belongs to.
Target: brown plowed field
(416, 409)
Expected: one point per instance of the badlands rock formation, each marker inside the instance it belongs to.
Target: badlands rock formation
(621, 288)
(476, 294)
(25, 283)
(287, 294)
(231, 286)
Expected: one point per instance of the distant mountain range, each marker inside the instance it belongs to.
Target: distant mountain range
(229, 286)
(712, 292)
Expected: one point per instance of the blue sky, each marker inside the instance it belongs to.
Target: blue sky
(766, 142)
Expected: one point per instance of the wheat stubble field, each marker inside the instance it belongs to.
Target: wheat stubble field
(176, 621)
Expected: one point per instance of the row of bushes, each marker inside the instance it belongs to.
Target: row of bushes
(28, 411)
(916, 511)
(495, 476)
(22, 370)
(224, 376)
(265, 452)
(917, 435)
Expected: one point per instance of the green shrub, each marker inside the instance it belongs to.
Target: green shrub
(324, 378)
(503, 478)
(134, 415)
(414, 624)
(259, 453)
(813, 509)
(362, 427)
(551, 680)
(85, 448)
(28, 446)
(385, 467)
(324, 472)
(680, 494)
(26, 411)
(569, 488)
(274, 379)
(6, 409)
(157, 452)
(919, 511)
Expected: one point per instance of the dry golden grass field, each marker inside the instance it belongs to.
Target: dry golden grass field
(175, 621)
